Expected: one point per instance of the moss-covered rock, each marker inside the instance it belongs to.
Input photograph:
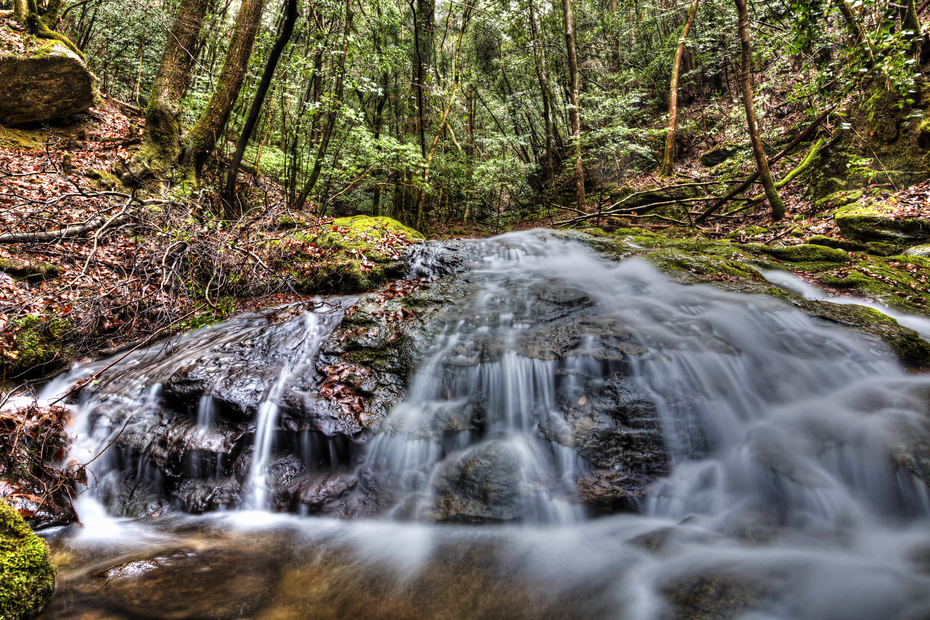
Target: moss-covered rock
(27, 577)
(39, 346)
(807, 253)
(907, 344)
(43, 84)
(840, 244)
(366, 253)
(34, 272)
(379, 239)
(872, 220)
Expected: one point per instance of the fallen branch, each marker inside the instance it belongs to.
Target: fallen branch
(61, 233)
(742, 187)
(780, 235)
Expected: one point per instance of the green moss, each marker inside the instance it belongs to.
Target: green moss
(371, 236)
(885, 248)
(27, 578)
(39, 346)
(840, 244)
(807, 253)
(901, 282)
(21, 138)
(35, 272)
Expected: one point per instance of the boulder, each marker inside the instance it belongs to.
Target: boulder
(27, 577)
(919, 250)
(869, 220)
(717, 156)
(44, 84)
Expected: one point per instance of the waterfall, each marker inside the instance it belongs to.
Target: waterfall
(760, 455)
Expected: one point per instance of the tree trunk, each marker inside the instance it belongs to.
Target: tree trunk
(333, 115)
(445, 115)
(161, 140)
(668, 161)
(778, 206)
(203, 136)
(42, 20)
(544, 90)
(287, 29)
(575, 109)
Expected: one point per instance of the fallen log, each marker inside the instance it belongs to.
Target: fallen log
(61, 233)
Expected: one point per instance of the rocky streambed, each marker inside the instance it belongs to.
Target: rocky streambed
(513, 390)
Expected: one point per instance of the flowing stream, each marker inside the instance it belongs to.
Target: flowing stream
(580, 439)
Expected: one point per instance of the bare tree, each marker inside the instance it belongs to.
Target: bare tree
(778, 206)
(575, 109)
(669, 160)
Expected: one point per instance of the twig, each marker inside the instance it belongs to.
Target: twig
(780, 235)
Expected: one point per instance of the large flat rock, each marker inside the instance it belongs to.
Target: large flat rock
(44, 84)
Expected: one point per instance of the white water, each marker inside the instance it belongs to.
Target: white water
(779, 428)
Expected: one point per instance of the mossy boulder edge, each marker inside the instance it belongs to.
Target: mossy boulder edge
(27, 577)
(45, 84)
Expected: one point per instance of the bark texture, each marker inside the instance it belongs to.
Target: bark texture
(669, 160)
(203, 137)
(778, 206)
(575, 109)
(161, 140)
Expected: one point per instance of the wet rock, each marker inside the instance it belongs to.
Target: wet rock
(611, 491)
(712, 597)
(202, 496)
(434, 259)
(47, 83)
(481, 485)
(906, 343)
(387, 338)
(321, 496)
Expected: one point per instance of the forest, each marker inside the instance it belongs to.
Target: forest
(250, 249)
(228, 124)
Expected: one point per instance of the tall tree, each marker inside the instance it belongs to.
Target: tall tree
(287, 29)
(202, 138)
(333, 115)
(575, 109)
(745, 82)
(161, 139)
(669, 160)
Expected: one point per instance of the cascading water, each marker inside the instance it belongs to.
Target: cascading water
(761, 456)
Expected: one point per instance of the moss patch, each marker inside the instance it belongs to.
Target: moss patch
(807, 253)
(364, 253)
(872, 220)
(39, 346)
(27, 577)
(377, 238)
(35, 272)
